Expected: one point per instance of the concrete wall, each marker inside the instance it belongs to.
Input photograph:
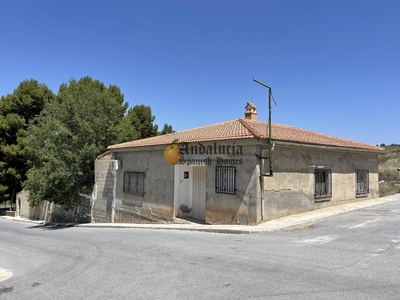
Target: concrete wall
(291, 189)
(165, 192)
(242, 207)
(49, 211)
(156, 205)
(103, 189)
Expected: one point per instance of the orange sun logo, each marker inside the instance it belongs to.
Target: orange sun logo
(171, 153)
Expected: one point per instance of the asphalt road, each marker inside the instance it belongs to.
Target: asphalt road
(352, 256)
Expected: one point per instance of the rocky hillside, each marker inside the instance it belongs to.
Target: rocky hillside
(389, 174)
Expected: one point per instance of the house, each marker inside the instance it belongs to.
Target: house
(221, 174)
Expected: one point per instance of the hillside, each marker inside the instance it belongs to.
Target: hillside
(389, 174)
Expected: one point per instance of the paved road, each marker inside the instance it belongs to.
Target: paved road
(352, 256)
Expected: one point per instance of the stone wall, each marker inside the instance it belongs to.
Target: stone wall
(49, 211)
(103, 189)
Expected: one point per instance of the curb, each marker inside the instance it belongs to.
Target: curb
(39, 222)
(283, 223)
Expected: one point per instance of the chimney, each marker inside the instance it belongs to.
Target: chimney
(251, 111)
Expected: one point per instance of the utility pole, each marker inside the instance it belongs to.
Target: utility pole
(271, 165)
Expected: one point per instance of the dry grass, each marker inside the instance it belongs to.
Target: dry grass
(388, 171)
(388, 189)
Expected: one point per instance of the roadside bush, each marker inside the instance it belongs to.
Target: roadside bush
(388, 173)
(389, 189)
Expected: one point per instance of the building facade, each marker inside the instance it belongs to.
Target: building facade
(220, 174)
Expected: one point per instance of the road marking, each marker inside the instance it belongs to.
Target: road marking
(319, 240)
(5, 274)
(364, 224)
(381, 250)
(396, 242)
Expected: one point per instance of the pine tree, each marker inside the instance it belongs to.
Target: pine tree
(141, 118)
(17, 110)
(70, 133)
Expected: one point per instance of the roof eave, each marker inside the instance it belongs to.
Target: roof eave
(327, 147)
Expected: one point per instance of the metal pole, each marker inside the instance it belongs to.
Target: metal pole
(271, 165)
(271, 171)
(262, 83)
(262, 197)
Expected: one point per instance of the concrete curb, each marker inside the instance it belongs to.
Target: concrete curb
(284, 223)
(39, 222)
(310, 217)
(19, 219)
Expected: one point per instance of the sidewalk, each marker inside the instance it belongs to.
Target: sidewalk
(295, 220)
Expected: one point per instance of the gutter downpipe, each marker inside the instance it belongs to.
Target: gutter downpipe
(114, 172)
(262, 198)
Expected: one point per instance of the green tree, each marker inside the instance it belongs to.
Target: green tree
(17, 110)
(142, 120)
(167, 129)
(70, 133)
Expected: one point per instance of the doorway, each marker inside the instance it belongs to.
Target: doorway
(199, 192)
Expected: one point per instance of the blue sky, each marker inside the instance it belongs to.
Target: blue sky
(333, 65)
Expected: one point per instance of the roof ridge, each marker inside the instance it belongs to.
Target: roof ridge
(250, 128)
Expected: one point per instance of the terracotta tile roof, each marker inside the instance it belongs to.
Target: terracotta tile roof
(246, 129)
(296, 135)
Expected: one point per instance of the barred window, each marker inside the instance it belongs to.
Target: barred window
(225, 180)
(134, 183)
(362, 183)
(323, 184)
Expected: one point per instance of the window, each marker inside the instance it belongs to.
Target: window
(362, 183)
(323, 184)
(134, 183)
(225, 178)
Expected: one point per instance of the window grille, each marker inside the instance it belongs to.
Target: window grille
(134, 183)
(323, 184)
(225, 180)
(362, 183)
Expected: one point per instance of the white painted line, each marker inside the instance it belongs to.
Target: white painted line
(364, 224)
(319, 240)
(5, 274)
